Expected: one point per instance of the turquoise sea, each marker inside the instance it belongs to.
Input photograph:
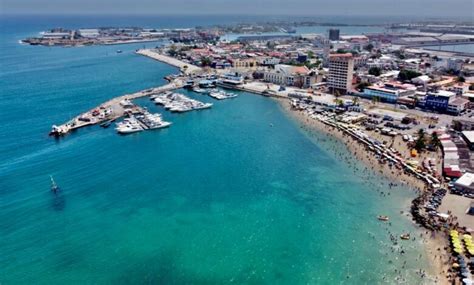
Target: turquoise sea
(221, 197)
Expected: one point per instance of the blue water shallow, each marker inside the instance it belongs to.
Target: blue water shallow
(235, 194)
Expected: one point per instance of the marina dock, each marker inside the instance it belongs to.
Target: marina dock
(112, 109)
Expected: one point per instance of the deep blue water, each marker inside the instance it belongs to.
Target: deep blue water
(219, 197)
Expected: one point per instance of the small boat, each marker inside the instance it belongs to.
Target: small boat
(382, 218)
(119, 51)
(200, 90)
(54, 186)
(405, 236)
(106, 124)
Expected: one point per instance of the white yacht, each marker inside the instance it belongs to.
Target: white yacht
(221, 95)
(128, 126)
(200, 90)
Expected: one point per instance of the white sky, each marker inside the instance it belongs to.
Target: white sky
(422, 8)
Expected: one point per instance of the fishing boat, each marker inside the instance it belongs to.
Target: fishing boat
(382, 218)
(54, 186)
(405, 236)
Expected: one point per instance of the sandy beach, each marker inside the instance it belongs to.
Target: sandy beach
(435, 243)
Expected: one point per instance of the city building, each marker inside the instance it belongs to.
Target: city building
(468, 137)
(289, 75)
(334, 34)
(387, 92)
(269, 61)
(438, 101)
(89, 33)
(457, 105)
(341, 68)
(465, 182)
(244, 62)
(460, 88)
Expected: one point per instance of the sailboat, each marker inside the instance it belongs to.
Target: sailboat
(54, 186)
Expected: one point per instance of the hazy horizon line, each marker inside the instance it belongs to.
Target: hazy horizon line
(247, 15)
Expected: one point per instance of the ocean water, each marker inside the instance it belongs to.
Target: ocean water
(235, 194)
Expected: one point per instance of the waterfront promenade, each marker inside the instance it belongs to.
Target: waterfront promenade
(186, 68)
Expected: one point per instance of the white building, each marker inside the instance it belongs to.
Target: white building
(465, 182)
(269, 61)
(341, 68)
(288, 75)
(88, 33)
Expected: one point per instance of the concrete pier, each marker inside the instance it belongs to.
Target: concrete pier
(185, 67)
(112, 109)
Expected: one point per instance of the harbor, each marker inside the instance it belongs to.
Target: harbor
(111, 110)
(176, 102)
(140, 122)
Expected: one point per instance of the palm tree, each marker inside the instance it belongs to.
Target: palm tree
(435, 142)
(375, 100)
(338, 102)
(421, 140)
(416, 100)
(355, 100)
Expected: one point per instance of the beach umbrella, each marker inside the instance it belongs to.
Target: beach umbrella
(467, 281)
(455, 265)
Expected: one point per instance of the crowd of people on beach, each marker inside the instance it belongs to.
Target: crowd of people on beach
(426, 195)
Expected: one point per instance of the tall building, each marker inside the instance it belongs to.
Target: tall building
(334, 34)
(341, 68)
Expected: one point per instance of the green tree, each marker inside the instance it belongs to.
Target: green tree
(375, 71)
(355, 101)
(435, 142)
(406, 74)
(420, 143)
(310, 54)
(461, 79)
(375, 99)
(172, 51)
(399, 54)
(205, 61)
(361, 86)
(369, 47)
(338, 102)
